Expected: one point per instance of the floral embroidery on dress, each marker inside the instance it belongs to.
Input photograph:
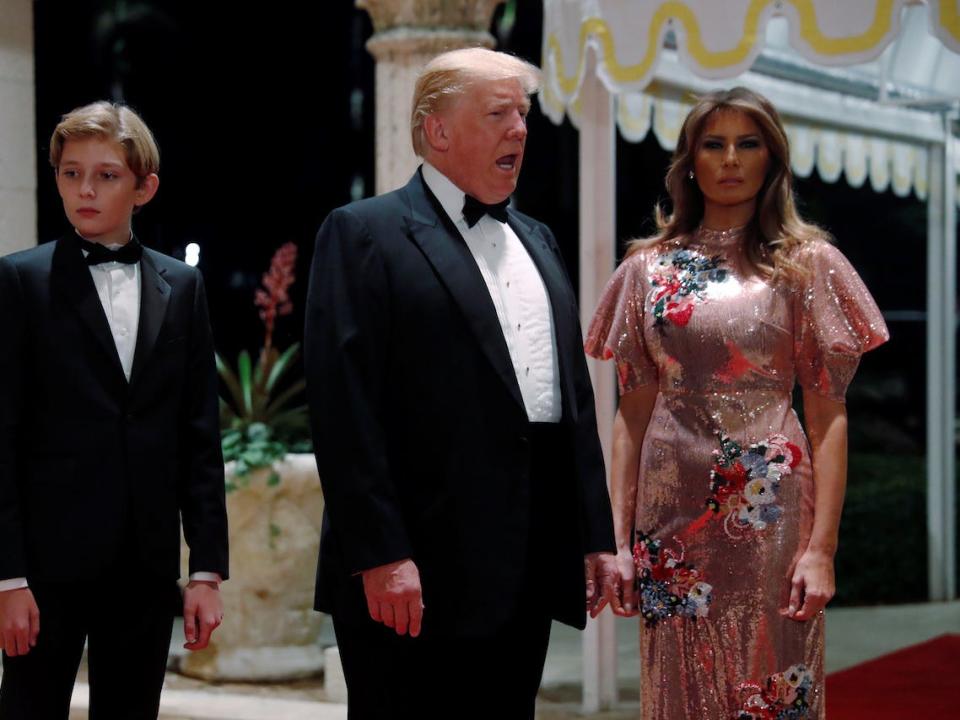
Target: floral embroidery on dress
(744, 484)
(668, 585)
(679, 281)
(785, 696)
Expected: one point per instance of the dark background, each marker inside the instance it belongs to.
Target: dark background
(265, 122)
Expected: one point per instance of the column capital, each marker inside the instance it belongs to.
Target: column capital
(427, 27)
(455, 15)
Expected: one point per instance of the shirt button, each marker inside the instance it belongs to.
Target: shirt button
(518, 326)
(528, 371)
(508, 283)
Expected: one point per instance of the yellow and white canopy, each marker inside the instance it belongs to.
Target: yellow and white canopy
(717, 39)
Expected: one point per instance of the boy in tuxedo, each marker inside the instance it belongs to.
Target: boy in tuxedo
(108, 437)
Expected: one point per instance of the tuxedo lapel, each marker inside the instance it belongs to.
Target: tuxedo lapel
(72, 280)
(154, 297)
(446, 250)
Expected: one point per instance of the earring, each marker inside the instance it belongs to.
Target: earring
(690, 175)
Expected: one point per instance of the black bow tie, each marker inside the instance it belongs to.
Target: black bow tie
(97, 253)
(473, 210)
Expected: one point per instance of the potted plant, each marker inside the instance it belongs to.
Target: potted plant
(274, 506)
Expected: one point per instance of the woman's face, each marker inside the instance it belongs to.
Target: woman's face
(731, 159)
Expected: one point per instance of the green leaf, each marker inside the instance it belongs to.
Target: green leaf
(292, 427)
(273, 480)
(274, 530)
(259, 392)
(230, 438)
(258, 369)
(230, 381)
(246, 381)
(258, 431)
(253, 457)
(278, 402)
(281, 365)
(301, 446)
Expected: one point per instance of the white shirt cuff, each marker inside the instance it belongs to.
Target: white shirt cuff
(207, 577)
(13, 584)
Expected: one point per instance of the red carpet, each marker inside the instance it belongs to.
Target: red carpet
(918, 682)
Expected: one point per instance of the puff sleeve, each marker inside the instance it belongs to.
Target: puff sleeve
(836, 321)
(617, 328)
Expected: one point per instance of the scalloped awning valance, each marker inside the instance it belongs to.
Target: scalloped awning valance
(716, 39)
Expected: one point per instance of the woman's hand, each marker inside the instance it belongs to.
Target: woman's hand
(626, 599)
(812, 585)
(629, 428)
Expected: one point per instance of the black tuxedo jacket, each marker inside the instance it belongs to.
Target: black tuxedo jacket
(92, 466)
(419, 427)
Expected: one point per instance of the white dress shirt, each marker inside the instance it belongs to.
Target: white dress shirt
(118, 285)
(519, 296)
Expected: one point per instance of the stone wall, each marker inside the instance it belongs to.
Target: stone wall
(18, 168)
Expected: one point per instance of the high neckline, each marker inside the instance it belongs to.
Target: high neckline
(720, 238)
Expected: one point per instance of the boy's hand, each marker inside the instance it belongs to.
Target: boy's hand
(19, 621)
(202, 613)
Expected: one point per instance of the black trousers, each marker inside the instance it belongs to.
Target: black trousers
(394, 678)
(127, 625)
(390, 677)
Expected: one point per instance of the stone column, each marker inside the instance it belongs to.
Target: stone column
(18, 166)
(407, 34)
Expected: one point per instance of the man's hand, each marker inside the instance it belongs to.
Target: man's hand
(202, 613)
(394, 596)
(600, 570)
(19, 621)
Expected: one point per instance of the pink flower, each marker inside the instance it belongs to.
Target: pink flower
(274, 299)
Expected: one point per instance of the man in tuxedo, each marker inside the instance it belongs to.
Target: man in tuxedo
(453, 418)
(108, 435)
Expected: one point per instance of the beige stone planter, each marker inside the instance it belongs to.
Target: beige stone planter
(270, 629)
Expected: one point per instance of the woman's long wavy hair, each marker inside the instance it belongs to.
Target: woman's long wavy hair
(777, 230)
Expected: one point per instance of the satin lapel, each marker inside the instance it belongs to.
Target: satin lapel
(72, 280)
(154, 297)
(446, 250)
(562, 301)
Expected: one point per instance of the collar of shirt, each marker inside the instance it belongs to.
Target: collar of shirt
(450, 196)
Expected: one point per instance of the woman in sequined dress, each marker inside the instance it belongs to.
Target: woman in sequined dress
(726, 511)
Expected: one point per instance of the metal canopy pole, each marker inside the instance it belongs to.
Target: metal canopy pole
(597, 256)
(941, 368)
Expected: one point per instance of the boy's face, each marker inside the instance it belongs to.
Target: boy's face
(99, 190)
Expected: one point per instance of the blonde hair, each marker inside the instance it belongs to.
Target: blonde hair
(110, 121)
(449, 75)
(776, 231)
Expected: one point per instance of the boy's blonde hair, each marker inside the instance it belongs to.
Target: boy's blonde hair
(110, 121)
(449, 75)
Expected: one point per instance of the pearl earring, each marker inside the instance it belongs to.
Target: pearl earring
(690, 175)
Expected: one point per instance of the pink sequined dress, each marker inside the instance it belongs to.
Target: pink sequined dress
(725, 492)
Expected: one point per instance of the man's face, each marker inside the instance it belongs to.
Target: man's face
(98, 189)
(487, 131)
